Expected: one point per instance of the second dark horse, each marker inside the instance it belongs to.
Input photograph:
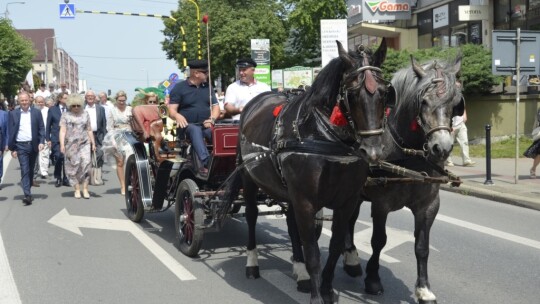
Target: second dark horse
(312, 159)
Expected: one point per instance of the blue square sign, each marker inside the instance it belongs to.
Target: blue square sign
(67, 11)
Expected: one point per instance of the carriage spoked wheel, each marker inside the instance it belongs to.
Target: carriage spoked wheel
(134, 205)
(189, 215)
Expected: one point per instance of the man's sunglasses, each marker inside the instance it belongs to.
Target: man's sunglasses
(76, 106)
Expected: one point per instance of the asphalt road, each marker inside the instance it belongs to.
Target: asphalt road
(66, 250)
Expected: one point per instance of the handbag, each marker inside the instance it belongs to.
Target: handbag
(95, 172)
(536, 133)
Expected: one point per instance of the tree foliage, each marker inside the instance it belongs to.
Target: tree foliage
(304, 19)
(232, 25)
(475, 73)
(15, 58)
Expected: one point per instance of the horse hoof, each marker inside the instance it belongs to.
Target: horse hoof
(353, 270)
(303, 286)
(374, 287)
(252, 272)
(427, 302)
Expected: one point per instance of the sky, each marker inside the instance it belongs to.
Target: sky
(113, 52)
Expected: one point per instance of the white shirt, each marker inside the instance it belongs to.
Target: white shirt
(45, 113)
(60, 91)
(25, 127)
(93, 116)
(43, 94)
(239, 94)
(456, 121)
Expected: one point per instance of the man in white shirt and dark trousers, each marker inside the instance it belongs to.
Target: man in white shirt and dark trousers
(26, 139)
(240, 92)
(459, 133)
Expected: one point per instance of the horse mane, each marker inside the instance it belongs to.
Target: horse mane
(325, 88)
(410, 88)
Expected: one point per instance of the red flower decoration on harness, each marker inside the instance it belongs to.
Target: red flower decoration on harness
(337, 118)
(414, 125)
(277, 110)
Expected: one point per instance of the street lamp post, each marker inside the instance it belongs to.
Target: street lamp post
(6, 13)
(47, 59)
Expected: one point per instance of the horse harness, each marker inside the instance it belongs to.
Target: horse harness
(410, 175)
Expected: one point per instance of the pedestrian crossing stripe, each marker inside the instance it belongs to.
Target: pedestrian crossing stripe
(67, 11)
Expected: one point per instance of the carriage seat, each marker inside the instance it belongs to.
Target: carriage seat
(148, 125)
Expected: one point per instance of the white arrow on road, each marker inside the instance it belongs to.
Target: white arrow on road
(73, 223)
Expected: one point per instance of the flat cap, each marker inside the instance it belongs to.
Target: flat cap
(198, 64)
(246, 63)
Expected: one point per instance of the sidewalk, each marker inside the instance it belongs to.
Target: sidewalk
(525, 193)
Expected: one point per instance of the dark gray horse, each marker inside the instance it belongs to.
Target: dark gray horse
(418, 135)
(313, 153)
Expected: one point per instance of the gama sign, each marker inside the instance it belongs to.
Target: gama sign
(387, 10)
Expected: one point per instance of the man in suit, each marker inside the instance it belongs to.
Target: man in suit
(4, 118)
(98, 122)
(26, 139)
(52, 135)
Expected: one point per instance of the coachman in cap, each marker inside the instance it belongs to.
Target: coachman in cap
(195, 110)
(198, 64)
(240, 92)
(247, 62)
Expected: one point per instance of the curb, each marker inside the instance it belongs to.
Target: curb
(494, 196)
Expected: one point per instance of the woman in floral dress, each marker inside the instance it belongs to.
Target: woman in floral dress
(76, 143)
(115, 143)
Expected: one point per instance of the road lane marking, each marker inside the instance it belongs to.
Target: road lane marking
(489, 231)
(73, 223)
(8, 288)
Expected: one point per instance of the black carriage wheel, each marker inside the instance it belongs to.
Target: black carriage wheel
(189, 216)
(134, 205)
(318, 224)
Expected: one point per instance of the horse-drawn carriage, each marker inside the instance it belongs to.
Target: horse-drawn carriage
(164, 172)
(319, 151)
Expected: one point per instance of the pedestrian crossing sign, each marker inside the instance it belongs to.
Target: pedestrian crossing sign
(67, 10)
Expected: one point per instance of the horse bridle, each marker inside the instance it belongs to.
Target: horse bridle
(441, 90)
(371, 86)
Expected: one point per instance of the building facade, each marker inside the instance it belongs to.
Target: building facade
(53, 65)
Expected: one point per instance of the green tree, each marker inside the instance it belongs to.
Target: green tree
(15, 58)
(304, 20)
(232, 25)
(475, 65)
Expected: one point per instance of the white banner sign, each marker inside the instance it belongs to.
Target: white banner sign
(473, 12)
(332, 30)
(440, 16)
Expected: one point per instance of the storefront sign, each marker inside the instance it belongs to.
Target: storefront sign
(473, 12)
(386, 10)
(440, 16)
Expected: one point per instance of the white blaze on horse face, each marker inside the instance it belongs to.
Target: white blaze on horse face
(424, 294)
(252, 258)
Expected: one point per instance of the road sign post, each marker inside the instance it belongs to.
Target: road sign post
(511, 58)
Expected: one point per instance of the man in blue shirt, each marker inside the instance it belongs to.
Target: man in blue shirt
(195, 108)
